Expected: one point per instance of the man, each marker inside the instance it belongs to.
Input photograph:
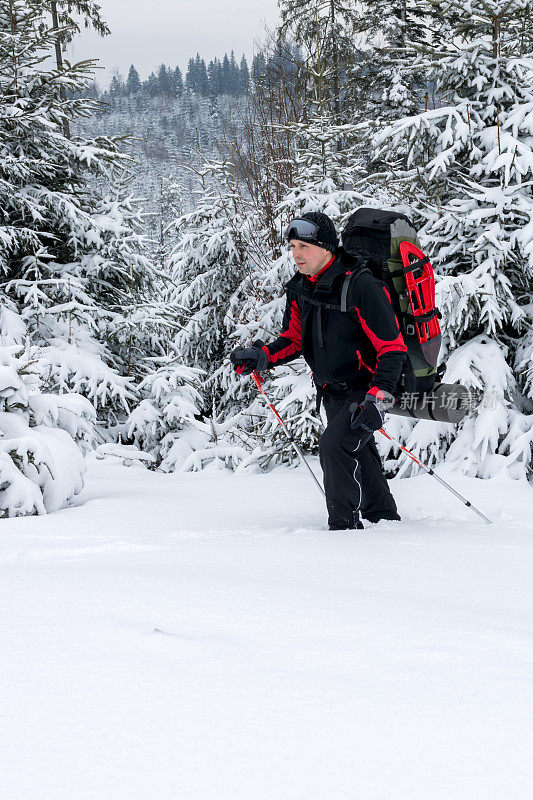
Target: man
(339, 317)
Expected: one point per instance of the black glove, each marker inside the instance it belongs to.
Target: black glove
(248, 359)
(368, 416)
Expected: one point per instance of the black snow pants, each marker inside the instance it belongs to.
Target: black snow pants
(354, 481)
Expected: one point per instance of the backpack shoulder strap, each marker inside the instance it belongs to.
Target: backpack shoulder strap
(349, 280)
(318, 303)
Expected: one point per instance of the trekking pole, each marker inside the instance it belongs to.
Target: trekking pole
(440, 480)
(258, 382)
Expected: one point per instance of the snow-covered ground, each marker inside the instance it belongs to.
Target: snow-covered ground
(177, 637)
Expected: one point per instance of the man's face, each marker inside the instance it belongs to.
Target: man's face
(309, 258)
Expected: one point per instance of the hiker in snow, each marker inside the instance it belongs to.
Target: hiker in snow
(344, 326)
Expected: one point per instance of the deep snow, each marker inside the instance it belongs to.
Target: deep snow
(203, 636)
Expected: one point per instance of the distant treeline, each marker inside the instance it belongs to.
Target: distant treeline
(219, 77)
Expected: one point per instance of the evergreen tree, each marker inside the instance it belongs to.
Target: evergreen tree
(117, 86)
(191, 80)
(164, 77)
(164, 423)
(203, 81)
(152, 85)
(385, 79)
(170, 206)
(177, 82)
(68, 12)
(465, 168)
(214, 73)
(44, 435)
(226, 75)
(244, 76)
(197, 80)
(133, 82)
(207, 263)
(234, 75)
(70, 255)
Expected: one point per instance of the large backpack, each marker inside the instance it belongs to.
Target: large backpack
(388, 243)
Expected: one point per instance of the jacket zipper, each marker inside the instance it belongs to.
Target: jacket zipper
(319, 328)
(362, 363)
(321, 344)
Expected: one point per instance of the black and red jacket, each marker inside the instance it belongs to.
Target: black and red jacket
(362, 347)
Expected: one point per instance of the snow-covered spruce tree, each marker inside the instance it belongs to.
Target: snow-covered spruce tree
(465, 167)
(182, 418)
(385, 78)
(170, 206)
(164, 423)
(69, 253)
(208, 263)
(42, 436)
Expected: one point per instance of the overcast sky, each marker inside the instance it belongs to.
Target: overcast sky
(150, 32)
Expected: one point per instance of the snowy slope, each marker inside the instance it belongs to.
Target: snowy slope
(203, 636)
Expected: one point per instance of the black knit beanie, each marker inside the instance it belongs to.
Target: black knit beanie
(327, 235)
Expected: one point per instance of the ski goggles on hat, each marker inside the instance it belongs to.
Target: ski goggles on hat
(302, 229)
